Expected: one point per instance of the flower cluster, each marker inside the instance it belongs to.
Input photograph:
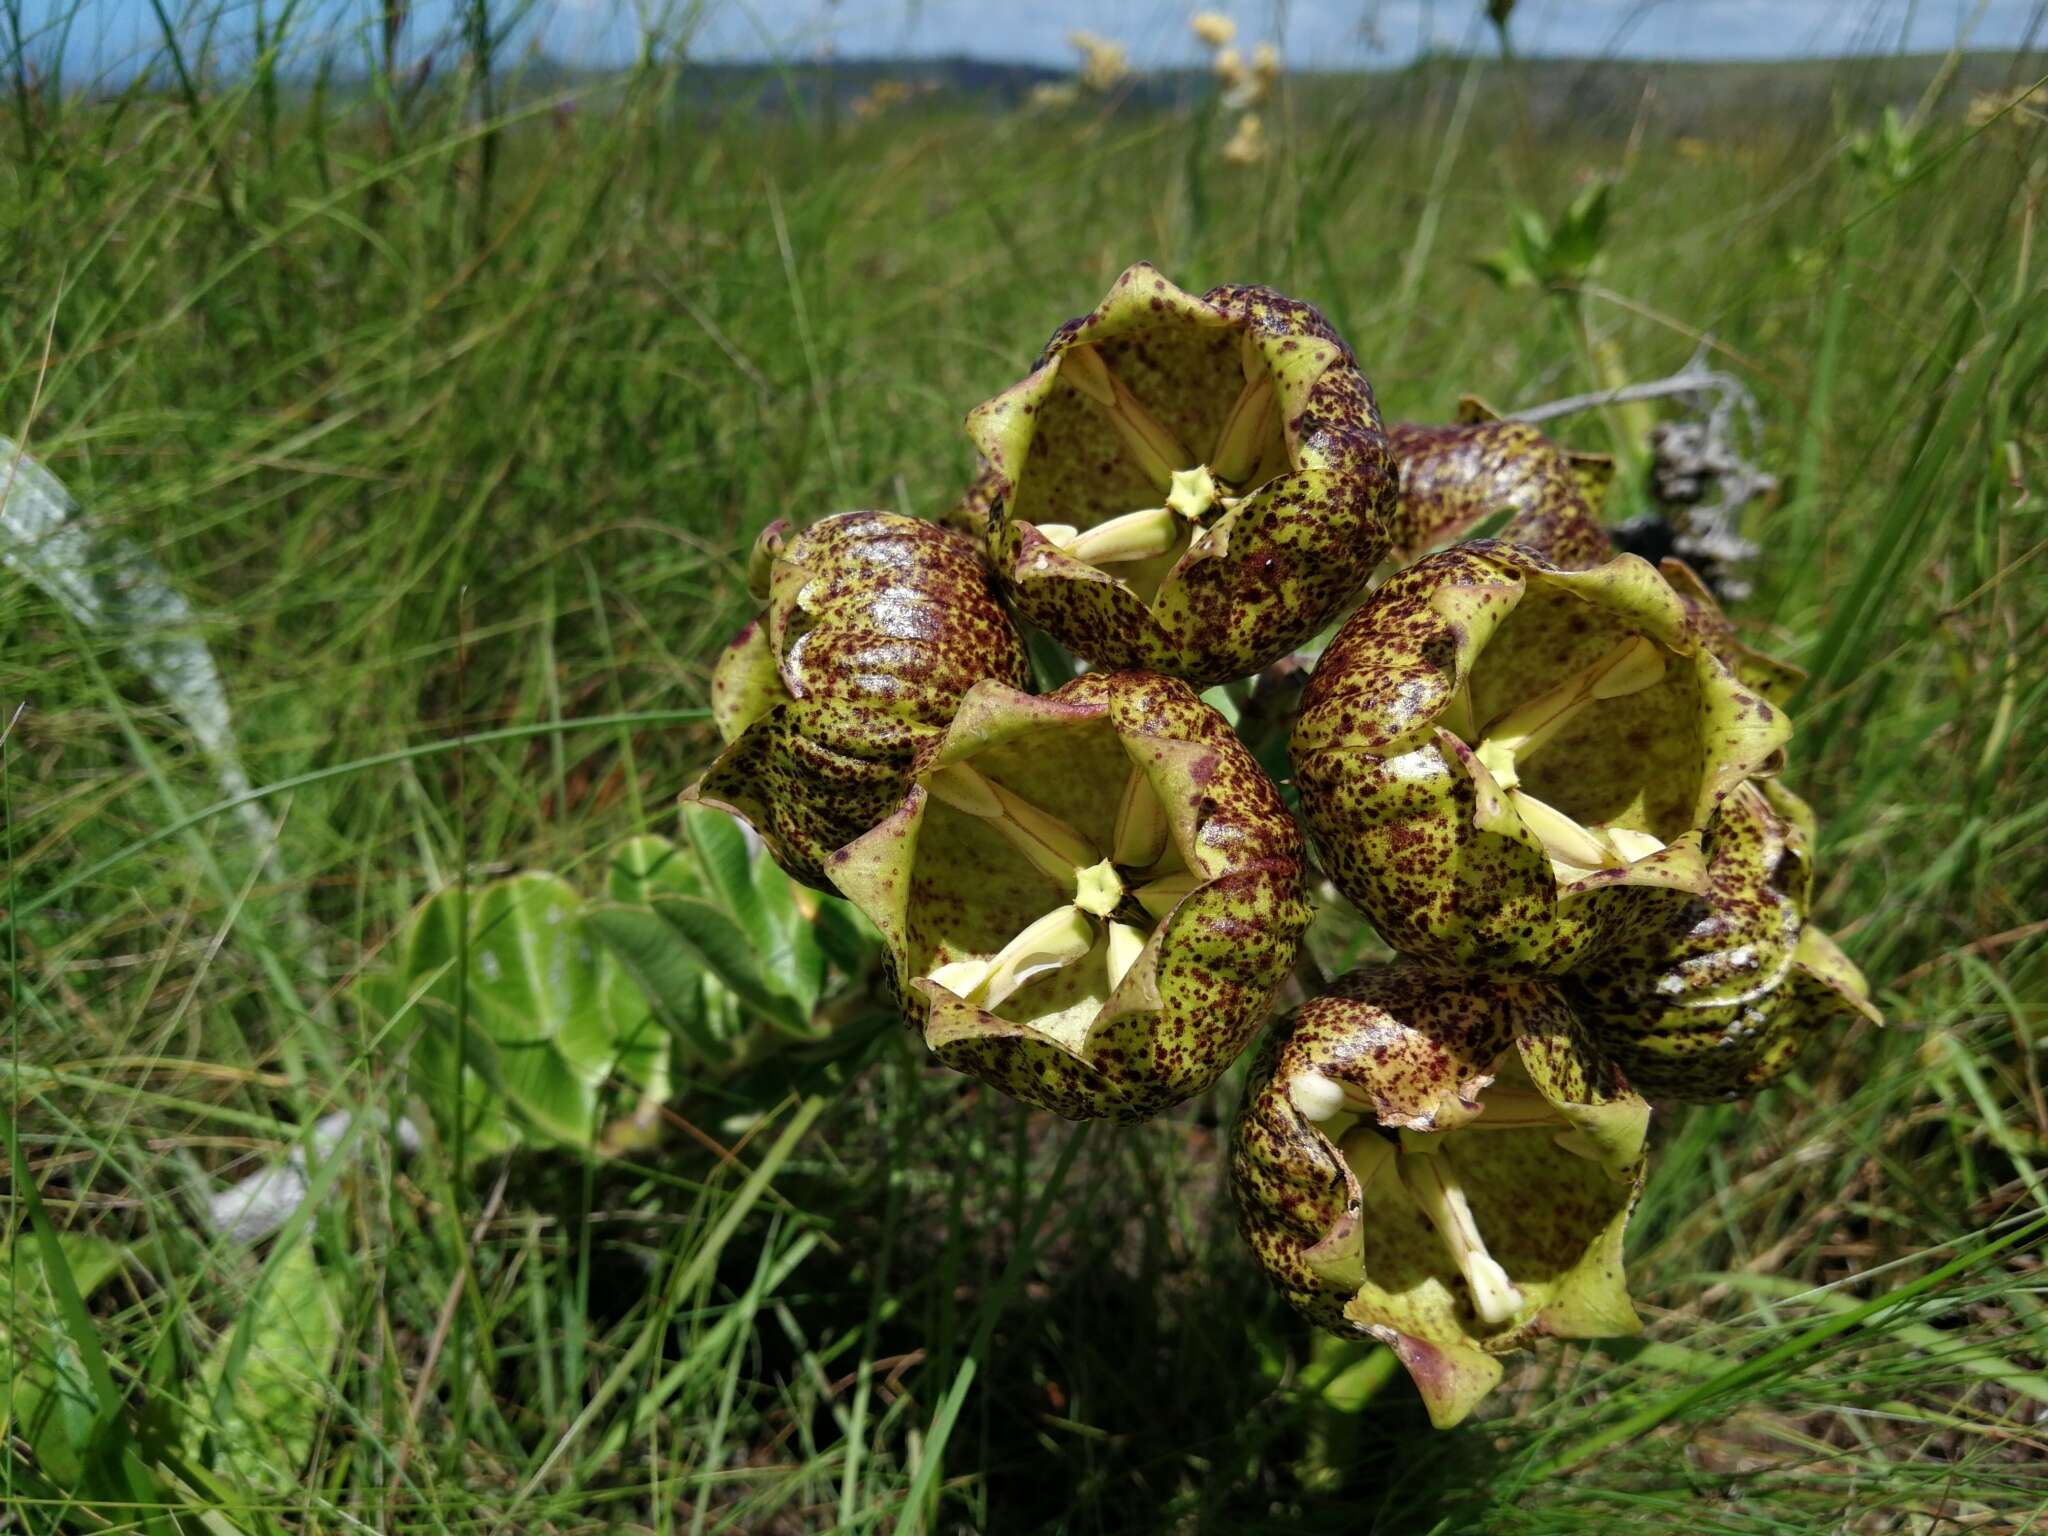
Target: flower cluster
(1105, 65)
(1246, 83)
(1546, 774)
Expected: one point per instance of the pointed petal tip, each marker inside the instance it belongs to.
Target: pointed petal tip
(1453, 1379)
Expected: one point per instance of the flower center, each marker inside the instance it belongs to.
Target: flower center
(1197, 494)
(1422, 1167)
(1506, 744)
(1143, 876)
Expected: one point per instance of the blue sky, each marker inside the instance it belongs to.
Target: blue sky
(108, 35)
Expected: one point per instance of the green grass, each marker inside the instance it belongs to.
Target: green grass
(453, 426)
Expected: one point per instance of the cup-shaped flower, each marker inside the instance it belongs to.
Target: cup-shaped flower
(1718, 998)
(972, 513)
(1442, 1163)
(875, 627)
(1189, 485)
(1455, 478)
(1776, 680)
(1497, 758)
(1089, 897)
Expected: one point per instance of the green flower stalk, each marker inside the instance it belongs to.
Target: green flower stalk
(1194, 486)
(1454, 478)
(1718, 998)
(1498, 758)
(1446, 1164)
(1090, 897)
(875, 627)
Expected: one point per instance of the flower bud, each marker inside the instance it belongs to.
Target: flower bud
(1718, 998)
(1089, 898)
(1497, 757)
(1190, 485)
(1454, 478)
(1445, 1164)
(875, 627)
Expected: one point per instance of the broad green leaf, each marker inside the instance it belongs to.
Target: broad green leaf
(480, 1098)
(432, 940)
(848, 939)
(728, 870)
(49, 1399)
(733, 959)
(794, 962)
(666, 969)
(645, 866)
(278, 1391)
(93, 1261)
(549, 1013)
(640, 1042)
(533, 972)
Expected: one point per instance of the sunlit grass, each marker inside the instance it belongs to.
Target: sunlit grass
(441, 446)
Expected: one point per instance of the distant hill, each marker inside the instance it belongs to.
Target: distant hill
(1686, 96)
(1689, 96)
(1558, 94)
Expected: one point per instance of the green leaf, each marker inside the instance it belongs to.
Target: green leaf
(90, 1413)
(51, 1402)
(1506, 268)
(666, 969)
(848, 939)
(1531, 236)
(733, 959)
(645, 866)
(479, 1099)
(1587, 216)
(275, 1399)
(547, 1017)
(721, 850)
(794, 962)
(534, 973)
(1575, 247)
(667, 972)
(640, 1040)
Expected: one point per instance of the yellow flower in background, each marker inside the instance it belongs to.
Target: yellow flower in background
(2024, 106)
(1104, 64)
(1247, 85)
(1244, 85)
(1050, 94)
(1248, 145)
(883, 95)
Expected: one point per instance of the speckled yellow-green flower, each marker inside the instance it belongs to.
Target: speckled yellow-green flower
(1194, 486)
(1445, 1164)
(1089, 897)
(1718, 998)
(1776, 680)
(1454, 478)
(976, 508)
(875, 627)
(1498, 758)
